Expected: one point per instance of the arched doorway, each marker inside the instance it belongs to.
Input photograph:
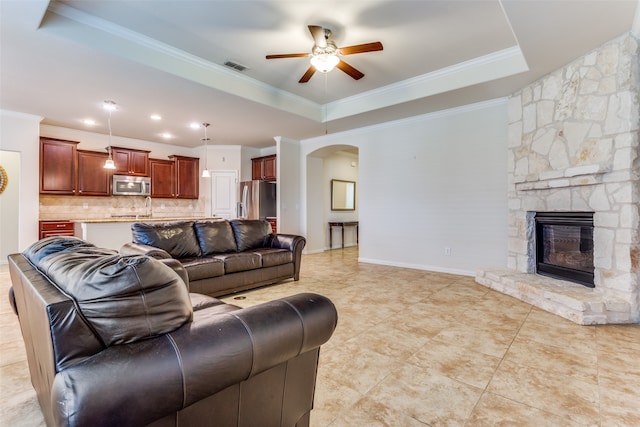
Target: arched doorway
(328, 163)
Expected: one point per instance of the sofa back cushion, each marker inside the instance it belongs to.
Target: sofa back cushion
(215, 237)
(124, 298)
(51, 245)
(250, 233)
(177, 238)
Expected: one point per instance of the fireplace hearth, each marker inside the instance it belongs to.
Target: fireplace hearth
(564, 246)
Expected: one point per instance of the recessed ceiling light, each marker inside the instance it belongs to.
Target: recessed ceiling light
(195, 125)
(166, 135)
(155, 117)
(89, 122)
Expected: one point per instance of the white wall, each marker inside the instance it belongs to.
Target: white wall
(314, 205)
(19, 133)
(290, 186)
(248, 153)
(428, 183)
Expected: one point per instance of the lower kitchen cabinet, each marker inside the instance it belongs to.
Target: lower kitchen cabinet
(55, 228)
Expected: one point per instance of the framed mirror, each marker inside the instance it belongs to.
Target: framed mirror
(343, 195)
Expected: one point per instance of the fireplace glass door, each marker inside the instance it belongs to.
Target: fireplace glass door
(564, 246)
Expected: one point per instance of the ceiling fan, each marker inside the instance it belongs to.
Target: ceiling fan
(324, 54)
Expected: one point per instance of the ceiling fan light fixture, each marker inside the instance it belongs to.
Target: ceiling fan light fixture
(324, 62)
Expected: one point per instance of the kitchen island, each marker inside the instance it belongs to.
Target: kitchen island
(114, 232)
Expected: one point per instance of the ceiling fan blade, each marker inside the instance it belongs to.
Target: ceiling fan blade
(357, 75)
(307, 75)
(317, 32)
(288, 55)
(361, 48)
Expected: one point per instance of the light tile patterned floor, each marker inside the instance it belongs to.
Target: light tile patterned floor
(416, 348)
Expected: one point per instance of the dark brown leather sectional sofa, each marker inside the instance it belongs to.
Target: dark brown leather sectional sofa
(220, 256)
(117, 340)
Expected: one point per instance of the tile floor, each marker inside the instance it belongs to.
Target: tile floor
(417, 348)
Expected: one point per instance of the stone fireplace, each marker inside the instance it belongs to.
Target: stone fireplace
(562, 244)
(573, 147)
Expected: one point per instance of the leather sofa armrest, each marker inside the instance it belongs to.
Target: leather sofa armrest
(140, 249)
(287, 241)
(178, 268)
(135, 384)
(295, 244)
(159, 254)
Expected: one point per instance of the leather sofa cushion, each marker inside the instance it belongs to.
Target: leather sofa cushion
(177, 238)
(51, 245)
(200, 301)
(215, 237)
(250, 233)
(240, 262)
(271, 257)
(125, 298)
(203, 267)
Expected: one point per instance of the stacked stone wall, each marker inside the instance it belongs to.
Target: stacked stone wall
(573, 146)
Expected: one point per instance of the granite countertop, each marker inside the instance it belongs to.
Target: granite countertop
(140, 218)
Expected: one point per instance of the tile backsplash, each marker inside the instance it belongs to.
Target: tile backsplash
(81, 207)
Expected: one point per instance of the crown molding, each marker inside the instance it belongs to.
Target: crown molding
(489, 67)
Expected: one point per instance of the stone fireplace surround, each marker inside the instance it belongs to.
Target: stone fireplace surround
(573, 146)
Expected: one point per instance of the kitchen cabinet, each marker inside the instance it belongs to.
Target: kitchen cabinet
(93, 178)
(58, 166)
(187, 177)
(162, 178)
(130, 162)
(264, 168)
(65, 170)
(175, 178)
(55, 228)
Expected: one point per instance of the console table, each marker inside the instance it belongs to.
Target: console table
(342, 225)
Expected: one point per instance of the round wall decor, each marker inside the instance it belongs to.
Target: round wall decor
(3, 179)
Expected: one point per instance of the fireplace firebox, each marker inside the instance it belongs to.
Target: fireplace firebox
(564, 246)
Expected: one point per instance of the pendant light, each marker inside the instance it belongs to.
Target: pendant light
(205, 171)
(109, 106)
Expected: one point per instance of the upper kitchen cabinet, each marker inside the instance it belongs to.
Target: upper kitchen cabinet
(175, 178)
(58, 166)
(93, 178)
(187, 177)
(264, 168)
(130, 162)
(162, 178)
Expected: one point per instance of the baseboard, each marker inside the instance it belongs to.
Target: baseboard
(418, 267)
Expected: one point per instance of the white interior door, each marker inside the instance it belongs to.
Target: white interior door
(224, 193)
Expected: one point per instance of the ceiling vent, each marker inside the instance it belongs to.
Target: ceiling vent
(236, 66)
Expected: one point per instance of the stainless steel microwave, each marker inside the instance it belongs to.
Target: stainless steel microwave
(125, 185)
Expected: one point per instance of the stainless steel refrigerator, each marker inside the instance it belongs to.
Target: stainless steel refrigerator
(257, 200)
